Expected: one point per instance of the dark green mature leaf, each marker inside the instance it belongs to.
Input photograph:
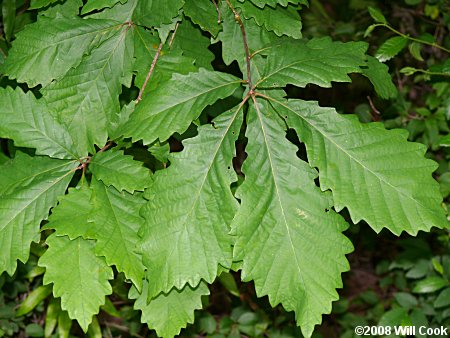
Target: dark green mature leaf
(204, 14)
(8, 17)
(378, 74)
(273, 3)
(35, 4)
(168, 313)
(92, 5)
(190, 207)
(29, 187)
(280, 20)
(390, 48)
(375, 173)
(79, 277)
(72, 216)
(87, 98)
(154, 13)
(116, 222)
(288, 238)
(47, 49)
(319, 61)
(120, 170)
(175, 104)
(27, 121)
(190, 40)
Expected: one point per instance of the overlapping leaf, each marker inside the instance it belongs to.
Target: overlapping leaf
(47, 49)
(319, 61)
(190, 40)
(231, 38)
(288, 238)
(72, 216)
(29, 187)
(27, 121)
(92, 5)
(190, 207)
(273, 3)
(120, 170)
(116, 222)
(378, 74)
(87, 98)
(79, 277)
(168, 313)
(170, 61)
(281, 20)
(204, 14)
(154, 13)
(375, 173)
(175, 104)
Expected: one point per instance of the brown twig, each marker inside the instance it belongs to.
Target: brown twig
(173, 34)
(218, 11)
(238, 19)
(377, 115)
(152, 67)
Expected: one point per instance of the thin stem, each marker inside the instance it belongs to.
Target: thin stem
(152, 67)
(173, 34)
(106, 147)
(218, 11)
(424, 42)
(238, 19)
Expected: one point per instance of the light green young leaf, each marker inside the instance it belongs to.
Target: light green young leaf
(280, 20)
(92, 5)
(27, 121)
(289, 240)
(378, 74)
(48, 48)
(87, 98)
(185, 236)
(116, 222)
(72, 216)
(175, 104)
(168, 313)
(375, 173)
(376, 14)
(273, 3)
(154, 13)
(120, 170)
(414, 49)
(29, 187)
(79, 277)
(204, 14)
(390, 48)
(319, 61)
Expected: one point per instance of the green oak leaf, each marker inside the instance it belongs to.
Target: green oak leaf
(318, 61)
(120, 170)
(378, 74)
(27, 121)
(289, 239)
(185, 236)
(29, 187)
(172, 106)
(116, 222)
(379, 176)
(204, 14)
(79, 277)
(48, 48)
(86, 99)
(168, 313)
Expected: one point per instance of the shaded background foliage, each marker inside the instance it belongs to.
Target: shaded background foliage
(393, 281)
